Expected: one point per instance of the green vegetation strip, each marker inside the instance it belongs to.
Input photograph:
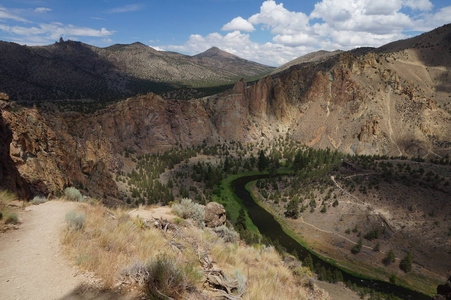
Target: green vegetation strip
(231, 202)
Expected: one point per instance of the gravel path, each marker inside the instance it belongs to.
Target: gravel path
(32, 265)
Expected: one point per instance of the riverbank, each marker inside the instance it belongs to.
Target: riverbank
(271, 228)
(316, 245)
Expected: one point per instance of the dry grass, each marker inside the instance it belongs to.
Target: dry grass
(6, 197)
(111, 242)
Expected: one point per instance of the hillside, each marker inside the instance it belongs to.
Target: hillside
(317, 56)
(74, 70)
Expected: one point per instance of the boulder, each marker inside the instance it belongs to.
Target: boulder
(215, 214)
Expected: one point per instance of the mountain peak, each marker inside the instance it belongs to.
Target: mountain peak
(215, 52)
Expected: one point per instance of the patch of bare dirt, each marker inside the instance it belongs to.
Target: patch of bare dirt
(151, 213)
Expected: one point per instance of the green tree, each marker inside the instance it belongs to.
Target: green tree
(377, 248)
(357, 247)
(390, 258)
(241, 221)
(406, 263)
(292, 209)
(308, 261)
(262, 162)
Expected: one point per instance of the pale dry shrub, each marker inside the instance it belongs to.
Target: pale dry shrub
(188, 209)
(75, 220)
(166, 279)
(38, 200)
(73, 194)
(226, 233)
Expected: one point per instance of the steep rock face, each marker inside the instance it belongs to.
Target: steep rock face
(10, 178)
(51, 159)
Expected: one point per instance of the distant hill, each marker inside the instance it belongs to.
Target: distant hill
(317, 56)
(216, 58)
(74, 70)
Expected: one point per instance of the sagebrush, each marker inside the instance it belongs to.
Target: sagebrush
(189, 209)
(73, 194)
(75, 220)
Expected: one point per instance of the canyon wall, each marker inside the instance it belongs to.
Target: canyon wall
(391, 104)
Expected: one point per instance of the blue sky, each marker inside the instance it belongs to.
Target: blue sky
(270, 32)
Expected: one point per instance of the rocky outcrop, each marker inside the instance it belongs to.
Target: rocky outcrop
(215, 214)
(50, 158)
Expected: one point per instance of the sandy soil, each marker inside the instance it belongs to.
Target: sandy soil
(32, 264)
(149, 214)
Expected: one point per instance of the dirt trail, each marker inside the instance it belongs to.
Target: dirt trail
(32, 265)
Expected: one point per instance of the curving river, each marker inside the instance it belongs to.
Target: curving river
(269, 227)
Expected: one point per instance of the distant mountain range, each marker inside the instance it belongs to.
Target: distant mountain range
(74, 70)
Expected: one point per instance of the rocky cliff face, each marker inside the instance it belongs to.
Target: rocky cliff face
(375, 103)
(10, 178)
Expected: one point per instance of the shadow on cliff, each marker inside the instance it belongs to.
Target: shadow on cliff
(66, 70)
(10, 178)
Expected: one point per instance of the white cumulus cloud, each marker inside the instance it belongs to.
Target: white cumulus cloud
(44, 33)
(424, 5)
(239, 24)
(331, 25)
(7, 14)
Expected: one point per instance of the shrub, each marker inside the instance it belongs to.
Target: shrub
(73, 194)
(11, 218)
(6, 196)
(165, 279)
(241, 279)
(393, 279)
(38, 200)
(189, 209)
(75, 220)
(227, 234)
(138, 272)
(377, 248)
